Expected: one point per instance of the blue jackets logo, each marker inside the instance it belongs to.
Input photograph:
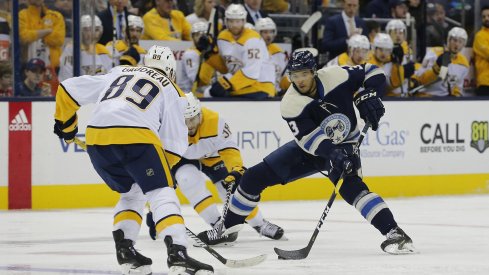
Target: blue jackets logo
(479, 136)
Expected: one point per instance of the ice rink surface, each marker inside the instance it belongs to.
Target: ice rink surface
(451, 234)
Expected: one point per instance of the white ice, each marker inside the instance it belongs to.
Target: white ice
(451, 234)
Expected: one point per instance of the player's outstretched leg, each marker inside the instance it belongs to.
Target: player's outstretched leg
(131, 261)
(180, 263)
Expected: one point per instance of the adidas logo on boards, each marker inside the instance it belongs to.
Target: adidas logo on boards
(20, 122)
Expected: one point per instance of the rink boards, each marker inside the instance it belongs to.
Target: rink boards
(421, 148)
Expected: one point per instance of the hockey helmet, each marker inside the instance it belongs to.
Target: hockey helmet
(235, 11)
(301, 60)
(359, 41)
(383, 41)
(457, 32)
(200, 27)
(193, 106)
(161, 58)
(395, 24)
(135, 21)
(86, 21)
(264, 24)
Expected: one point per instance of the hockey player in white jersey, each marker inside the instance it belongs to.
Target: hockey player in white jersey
(213, 152)
(94, 57)
(357, 54)
(136, 134)
(250, 73)
(319, 108)
(268, 30)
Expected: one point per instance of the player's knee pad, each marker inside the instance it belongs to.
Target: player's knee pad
(191, 182)
(168, 220)
(257, 178)
(128, 212)
(351, 188)
(369, 204)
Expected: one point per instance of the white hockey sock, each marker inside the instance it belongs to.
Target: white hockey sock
(166, 214)
(128, 212)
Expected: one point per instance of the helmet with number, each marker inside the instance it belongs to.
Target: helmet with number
(193, 106)
(301, 60)
(135, 21)
(86, 21)
(395, 24)
(235, 11)
(265, 24)
(359, 41)
(200, 27)
(161, 58)
(457, 32)
(383, 41)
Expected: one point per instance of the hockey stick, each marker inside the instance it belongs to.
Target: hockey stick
(227, 262)
(80, 143)
(304, 252)
(308, 24)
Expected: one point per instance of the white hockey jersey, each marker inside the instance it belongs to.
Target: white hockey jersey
(190, 64)
(133, 105)
(279, 60)
(213, 141)
(90, 64)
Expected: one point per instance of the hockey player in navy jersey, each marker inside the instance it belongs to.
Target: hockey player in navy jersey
(319, 109)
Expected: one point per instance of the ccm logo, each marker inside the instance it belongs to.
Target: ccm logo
(365, 96)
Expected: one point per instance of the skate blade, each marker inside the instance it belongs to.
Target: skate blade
(127, 269)
(228, 244)
(406, 248)
(180, 270)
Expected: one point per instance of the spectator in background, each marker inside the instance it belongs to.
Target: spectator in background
(42, 33)
(481, 52)
(378, 9)
(276, 6)
(165, 23)
(117, 8)
(202, 11)
(373, 28)
(399, 9)
(437, 28)
(65, 7)
(143, 6)
(381, 56)
(34, 84)
(253, 7)
(5, 79)
(340, 27)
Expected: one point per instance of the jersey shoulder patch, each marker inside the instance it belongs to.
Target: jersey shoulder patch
(293, 103)
(460, 59)
(331, 77)
(274, 48)
(248, 34)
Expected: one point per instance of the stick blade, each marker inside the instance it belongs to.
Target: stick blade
(307, 26)
(246, 262)
(292, 254)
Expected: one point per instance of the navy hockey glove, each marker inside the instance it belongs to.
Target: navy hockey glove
(67, 130)
(234, 177)
(221, 88)
(204, 45)
(151, 224)
(369, 106)
(344, 162)
(441, 62)
(397, 54)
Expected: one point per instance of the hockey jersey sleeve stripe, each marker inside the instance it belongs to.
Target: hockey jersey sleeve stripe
(167, 221)
(311, 142)
(120, 135)
(66, 106)
(166, 166)
(127, 215)
(231, 157)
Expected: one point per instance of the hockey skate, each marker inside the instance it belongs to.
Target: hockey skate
(180, 263)
(270, 230)
(398, 243)
(217, 236)
(131, 261)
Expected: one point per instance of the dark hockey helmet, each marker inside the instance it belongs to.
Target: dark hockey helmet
(302, 60)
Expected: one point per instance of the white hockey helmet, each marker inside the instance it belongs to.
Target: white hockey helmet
(200, 27)
(384, 41)
(249, 26)
(457, 32)
(135, 21)
(264, 24)
(193, 106)
(161, 58)
(395, 24)
(86, 21)
(359, 41)
(235, 11)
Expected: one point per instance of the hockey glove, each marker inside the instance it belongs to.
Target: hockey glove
(234, 177)
(151, 225)
(369, 106)
(441, 66)
(408, 69)
(343, 162)
(397, 54)
(221, 88)
(67, 130)
(204, 45)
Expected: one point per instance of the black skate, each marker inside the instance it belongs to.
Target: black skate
(131, 261)
(270, 230)
(398, 243)
(180, 263)
(216, 237)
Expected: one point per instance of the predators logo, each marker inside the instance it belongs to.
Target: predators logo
(480, 136)
(233, 64)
